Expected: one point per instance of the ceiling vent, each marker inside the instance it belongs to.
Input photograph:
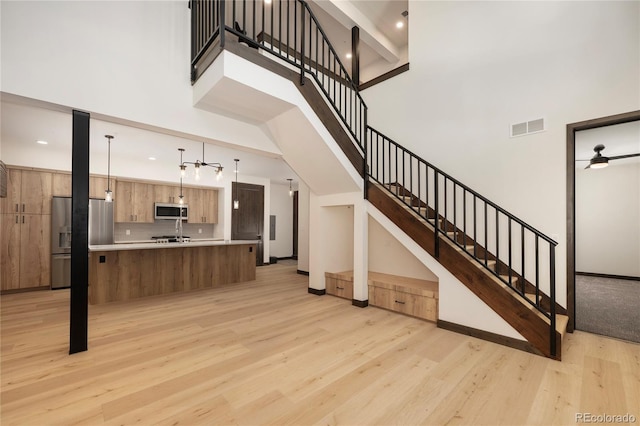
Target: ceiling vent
(527, 127)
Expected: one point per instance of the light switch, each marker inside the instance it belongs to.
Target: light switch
(199, 230)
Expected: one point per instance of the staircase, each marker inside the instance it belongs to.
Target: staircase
(505, 262)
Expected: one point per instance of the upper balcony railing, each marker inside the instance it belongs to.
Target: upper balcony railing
(289, 30)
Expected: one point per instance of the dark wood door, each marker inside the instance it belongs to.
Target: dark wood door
(247, 221)
(295, 225)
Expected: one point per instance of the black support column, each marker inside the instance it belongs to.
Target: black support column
(355, 56)
(79, 330)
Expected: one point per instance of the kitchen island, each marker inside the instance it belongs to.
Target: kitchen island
(119, 272)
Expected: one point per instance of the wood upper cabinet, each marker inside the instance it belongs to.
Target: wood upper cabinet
(210, 205)
(203, 205)
(166, 194)
(61, 185)
(25, 251)
(11, 204)
(98, 185)
(134, 202)
(28, 191)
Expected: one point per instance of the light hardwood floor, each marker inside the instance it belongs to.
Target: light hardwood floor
(267, 352)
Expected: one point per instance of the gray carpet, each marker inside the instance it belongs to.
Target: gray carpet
(610, 307)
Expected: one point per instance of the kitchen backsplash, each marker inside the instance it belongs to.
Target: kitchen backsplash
(144, 231)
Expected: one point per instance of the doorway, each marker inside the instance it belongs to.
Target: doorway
(572, 129)
(247, 221)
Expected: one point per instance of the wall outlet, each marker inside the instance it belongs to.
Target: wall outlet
(127, 232)
(199, 230)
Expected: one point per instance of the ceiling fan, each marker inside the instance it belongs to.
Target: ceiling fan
(599, 161)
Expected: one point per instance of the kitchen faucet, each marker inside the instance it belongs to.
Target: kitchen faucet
(179, 227)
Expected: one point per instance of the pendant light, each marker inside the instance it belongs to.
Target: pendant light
(236, 202)
(290, 189)
(182, 170)
(198, 165)
(108, 195)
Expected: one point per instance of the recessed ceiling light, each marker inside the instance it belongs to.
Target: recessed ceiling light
(349, 55)
(152, 158)
(42, 142)
(267, 1)
(399, 24)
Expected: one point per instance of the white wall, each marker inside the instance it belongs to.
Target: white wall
(476, 67)
(122, 59)
(608, 220)
(303, 227)
(608, 202)
(389, 256)
(282, 209)
(337, 241)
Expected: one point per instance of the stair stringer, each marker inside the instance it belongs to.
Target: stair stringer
(457, 304)
(530, 323)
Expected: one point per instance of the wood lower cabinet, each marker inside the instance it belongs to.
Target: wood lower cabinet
(134, 202)
(339, 284)
(409, 296)
(25, 251)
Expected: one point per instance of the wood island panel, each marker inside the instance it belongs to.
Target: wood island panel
(131, 274)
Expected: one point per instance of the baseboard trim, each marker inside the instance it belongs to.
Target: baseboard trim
(360, 303)
(302, 272)
(488, 336)
(616, 277)
(285, 258)
(317, 292)
(29, 289)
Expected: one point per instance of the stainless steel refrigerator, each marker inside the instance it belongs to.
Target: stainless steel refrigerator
(100, 232)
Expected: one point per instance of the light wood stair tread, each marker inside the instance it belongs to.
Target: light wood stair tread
(346, 275)
(506, 278)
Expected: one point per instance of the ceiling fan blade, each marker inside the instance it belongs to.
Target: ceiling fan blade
(588, 166)
(617, 157)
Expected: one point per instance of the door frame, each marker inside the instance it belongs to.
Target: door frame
(572, 128)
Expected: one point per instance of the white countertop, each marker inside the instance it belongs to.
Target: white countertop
(145, 246)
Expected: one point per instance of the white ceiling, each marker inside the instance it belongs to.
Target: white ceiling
(377, 24)
(24, 122)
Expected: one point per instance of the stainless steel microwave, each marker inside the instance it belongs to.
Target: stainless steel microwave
(170, 211)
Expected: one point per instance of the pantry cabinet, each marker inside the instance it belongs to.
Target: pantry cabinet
(28, 192)
(25, 251)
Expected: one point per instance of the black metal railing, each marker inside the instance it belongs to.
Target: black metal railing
(519, 255)
(288, 30)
